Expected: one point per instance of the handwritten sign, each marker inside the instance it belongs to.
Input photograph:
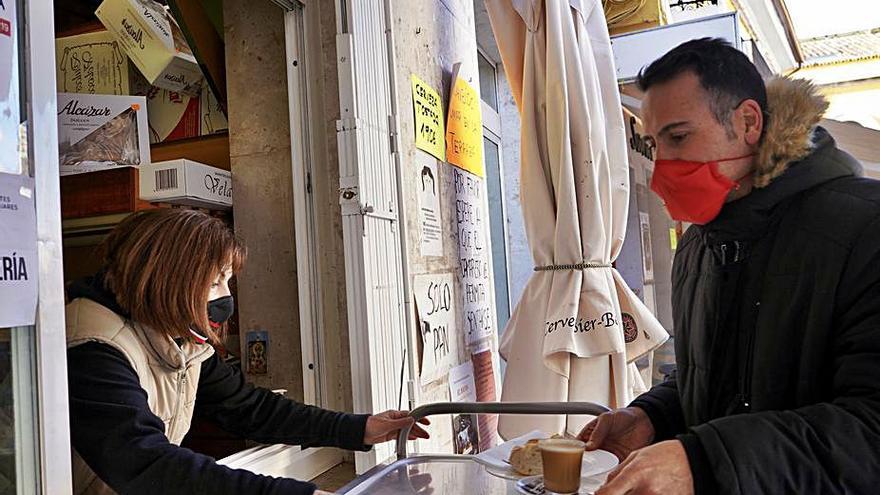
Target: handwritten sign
(430, 223)
(436, 308)
(18, 251)
(428, 110)
(474, 268)
(464, 127)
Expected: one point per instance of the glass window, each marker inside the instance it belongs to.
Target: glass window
(497, 231)
(488, 88)
(34, 435)
(19, 461)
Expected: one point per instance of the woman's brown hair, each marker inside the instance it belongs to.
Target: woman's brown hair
(160, 265)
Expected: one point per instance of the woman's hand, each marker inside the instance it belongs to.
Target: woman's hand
(386, 426)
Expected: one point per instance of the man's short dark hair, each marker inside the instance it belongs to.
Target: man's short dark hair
(727, 75)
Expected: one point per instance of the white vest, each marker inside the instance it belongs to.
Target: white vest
(168, 373)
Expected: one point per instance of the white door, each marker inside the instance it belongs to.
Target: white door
(368, 193)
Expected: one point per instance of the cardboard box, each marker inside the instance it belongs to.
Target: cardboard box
(92, 63)
(186, 182)
(154, 43)
(212, 120)
(98, 132)
(174, 115)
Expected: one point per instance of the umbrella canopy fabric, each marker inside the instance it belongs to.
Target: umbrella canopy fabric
(578, 328)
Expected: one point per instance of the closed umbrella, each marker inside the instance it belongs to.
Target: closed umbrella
(578, 328)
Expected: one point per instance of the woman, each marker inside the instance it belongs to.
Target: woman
(140, 366)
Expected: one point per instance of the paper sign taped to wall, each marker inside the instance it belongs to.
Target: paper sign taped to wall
(18, 251)
(428, 110)
(465, 427)
(473, 251)
(462, 387)
(436, 307)
(430, 220)
(464, 127)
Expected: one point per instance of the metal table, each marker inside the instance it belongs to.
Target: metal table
(452, 474)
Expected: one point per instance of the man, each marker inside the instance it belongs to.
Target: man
(776, 293)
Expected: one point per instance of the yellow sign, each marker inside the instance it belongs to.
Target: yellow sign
(464, 129)
(428, 109)
(673, 239)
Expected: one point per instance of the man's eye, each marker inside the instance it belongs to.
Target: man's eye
(677, 138)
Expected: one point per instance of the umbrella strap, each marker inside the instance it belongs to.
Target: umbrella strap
(574, 266)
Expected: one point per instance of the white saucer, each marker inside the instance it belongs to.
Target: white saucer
(595, 462)
(534, 485)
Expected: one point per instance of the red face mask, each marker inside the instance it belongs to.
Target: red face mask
(692, 191)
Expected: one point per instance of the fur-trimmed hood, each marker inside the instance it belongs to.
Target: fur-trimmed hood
(795, 156)
(794, 108)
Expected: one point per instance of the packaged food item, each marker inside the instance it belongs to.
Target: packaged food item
(188, 183)
(153, 41)
(97, 132)
(92, 63)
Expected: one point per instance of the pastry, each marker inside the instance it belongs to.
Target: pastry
(526, 459)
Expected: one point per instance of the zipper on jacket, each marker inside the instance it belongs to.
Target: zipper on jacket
(745, 390)
(738, 252)
(181, 382)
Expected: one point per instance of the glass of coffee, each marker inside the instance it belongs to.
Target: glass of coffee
(562, 459)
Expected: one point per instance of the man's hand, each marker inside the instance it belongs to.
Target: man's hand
(387, 425)
(620, 432)
(659, 469)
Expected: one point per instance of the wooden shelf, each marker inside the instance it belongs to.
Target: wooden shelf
(211, 150)
(101, 193)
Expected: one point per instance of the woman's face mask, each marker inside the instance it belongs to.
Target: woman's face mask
(220, 310)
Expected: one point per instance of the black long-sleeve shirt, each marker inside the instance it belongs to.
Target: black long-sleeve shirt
(124, 443)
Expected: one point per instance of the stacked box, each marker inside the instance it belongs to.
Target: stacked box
(154, 42)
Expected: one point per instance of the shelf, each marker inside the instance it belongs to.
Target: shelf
(101, 193)
(211, 150)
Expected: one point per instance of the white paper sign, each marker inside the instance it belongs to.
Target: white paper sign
(18, 251)
(461, 383)
(473, 252)
(436, 306)
(430, 223)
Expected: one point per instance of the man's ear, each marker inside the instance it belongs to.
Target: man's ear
(752, 119)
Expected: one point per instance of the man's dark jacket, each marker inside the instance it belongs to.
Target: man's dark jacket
(776, 306)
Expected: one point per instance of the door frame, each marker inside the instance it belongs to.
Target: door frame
(53, 442)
